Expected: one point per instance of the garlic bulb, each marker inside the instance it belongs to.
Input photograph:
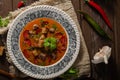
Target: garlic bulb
(102, 56)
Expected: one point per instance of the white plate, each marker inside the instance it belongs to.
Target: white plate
(43, 72)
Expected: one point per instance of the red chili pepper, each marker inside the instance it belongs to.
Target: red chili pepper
(38, 31)
(26, 34)
(27, 41)
(101, 11)
(26, 53)
(35, 61)
(49, 60)
(63, 40)
(21, 4)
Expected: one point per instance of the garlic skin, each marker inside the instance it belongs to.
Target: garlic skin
(102, 56)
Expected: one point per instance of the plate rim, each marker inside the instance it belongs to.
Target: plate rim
(29, 73)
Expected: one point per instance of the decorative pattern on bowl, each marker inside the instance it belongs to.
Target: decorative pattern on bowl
(43, 72)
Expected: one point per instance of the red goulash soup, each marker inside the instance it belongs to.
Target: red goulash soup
(43, 41)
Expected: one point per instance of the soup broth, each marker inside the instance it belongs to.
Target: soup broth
(43, 41)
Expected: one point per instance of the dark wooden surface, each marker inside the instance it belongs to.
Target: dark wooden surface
(93, 41)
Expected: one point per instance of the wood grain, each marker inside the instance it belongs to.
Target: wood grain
(117, 36)
(76, 4)
(93, 41)
(5, 7)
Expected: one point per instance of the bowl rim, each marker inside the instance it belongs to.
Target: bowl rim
(37, 75)
(55, 62)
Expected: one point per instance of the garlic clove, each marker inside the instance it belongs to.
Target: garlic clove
(96, 61)
(105, 59)
(102, 56)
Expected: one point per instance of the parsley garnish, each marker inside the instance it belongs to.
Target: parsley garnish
(3, 22)
(50, 43)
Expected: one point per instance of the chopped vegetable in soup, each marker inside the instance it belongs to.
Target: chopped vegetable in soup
(43, 41)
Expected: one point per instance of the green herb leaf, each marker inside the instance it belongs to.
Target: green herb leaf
(72, 71)
(46, 44)
(70, 74)
(3, 22)
(53, 40)
(50, 43)
(54, 26)
(52, 47)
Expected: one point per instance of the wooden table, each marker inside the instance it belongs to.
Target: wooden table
(93, 41)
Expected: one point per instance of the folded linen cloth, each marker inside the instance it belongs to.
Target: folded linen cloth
(82, 62)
